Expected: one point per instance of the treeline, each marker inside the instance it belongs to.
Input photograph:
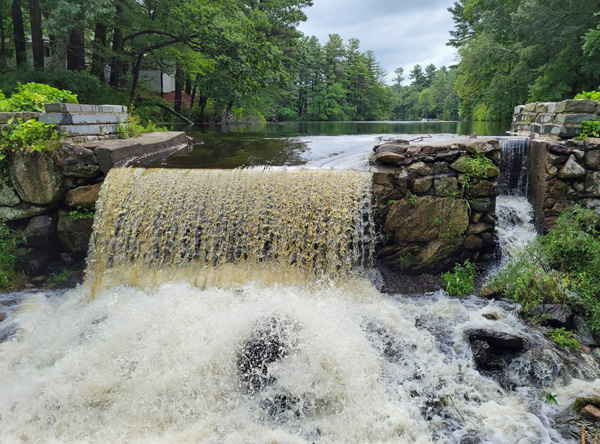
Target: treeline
(517, 51)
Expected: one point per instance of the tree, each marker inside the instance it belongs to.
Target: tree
(37, 41)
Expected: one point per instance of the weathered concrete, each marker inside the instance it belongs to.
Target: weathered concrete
(83, 118)
(114, 152)
(76, 108)
(88, 130)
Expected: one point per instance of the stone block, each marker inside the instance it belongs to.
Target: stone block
(544, 118)
(536, 128)
(76, 108)
(592, 183)
(550, 129)
(573, 118)
(36, 177)
(422, 185)
(568, 132)
(445, 186)
(582, 106)
(541, 107)
(82, 118)
(571, 169)
(519, 109)
(592, 160)
(551, 107)
(23, 211)
(87, 130)
(74, 234)
(530, 107)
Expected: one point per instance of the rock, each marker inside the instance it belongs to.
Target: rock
(435, 256)
(479, 228)
(559, 150)
(482, 146)
(591, 159)
(576, 106)
(85, 196)
(488, 238)
(491, 316)
(391, 147)
(552, 170)
(482, 352)
(591, 412)
(36, 177)
(74, 235)
(420, 168)
(579, 186)
(473, 242)
(79, 170)
(555, 159)
(483, 188)
(8, 197)
(462, 165)
(23, 211)
(415, 221)
(447, 156)
(422, 185)
(482, 205)
(556, 315)
(496, 338)
(571, 169)
(40, 233)
(445, 186)
(34, 262)
(592, 183)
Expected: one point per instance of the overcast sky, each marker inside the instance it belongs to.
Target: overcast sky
(401, 33)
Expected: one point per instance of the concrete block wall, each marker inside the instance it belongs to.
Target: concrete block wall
(85, 120)
(554, 118)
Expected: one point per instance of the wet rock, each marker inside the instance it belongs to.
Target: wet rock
(479, 228)
(23, 211)
(497, 339)
(36, 177)
(491, 316)
(34, 262)
(470, 440)
(473, 242)
(40, 233)
(582, 402)
(591, 412)
(74, 234)
(482, 205)
(559, 150)
(556, 315)
(79, 170)
(269, 343)
(85, 196)
(493, 349)
(483, 188)
(482, 352)
(8, 196)
(571, 169)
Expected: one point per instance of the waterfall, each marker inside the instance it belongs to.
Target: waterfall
(514, 175)
(225, 227)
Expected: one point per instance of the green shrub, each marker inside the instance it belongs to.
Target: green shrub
(589, 128)
(81, 213)
(563, 338)
(29, 136)
(462, 281)
(32, 96)
(592, 95)
(477, 166)
(8, 248)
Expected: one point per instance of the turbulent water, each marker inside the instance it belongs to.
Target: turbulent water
(265, 360)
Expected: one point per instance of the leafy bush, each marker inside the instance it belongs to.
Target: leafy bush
(564, 338)
(81, 213)
(462, 281)
(30, 136)
(8, 248)
(589, 128)
(592, 95)
(478, 166)
(32, 96)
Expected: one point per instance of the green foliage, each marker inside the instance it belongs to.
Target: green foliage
(33, 96)
(589, 128)
(564, 338)
(477, 166)
(81, 213)
(62, 276)
(135, 128)
(462, 281)
(592, 95)
(29, 136)
(550, 398)
(8, 258)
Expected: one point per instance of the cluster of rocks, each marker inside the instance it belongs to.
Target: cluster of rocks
(560, 119)
(50, 197)
(561, 174)
(432, 211)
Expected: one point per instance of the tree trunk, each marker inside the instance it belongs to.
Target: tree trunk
(116, 65)
(76, 50)
(19, 33)
(99, 49)
(37, 40)
(179, 79)
(2, 37)
(195, 87)
(188, 86)
(136, 77)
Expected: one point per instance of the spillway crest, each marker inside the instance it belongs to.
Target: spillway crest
(153, 226)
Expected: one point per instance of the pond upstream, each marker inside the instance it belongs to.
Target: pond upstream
(340, 145)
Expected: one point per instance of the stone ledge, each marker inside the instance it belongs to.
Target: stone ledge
(75, 108)
(112, 153)
(88, 130)
(83, 118)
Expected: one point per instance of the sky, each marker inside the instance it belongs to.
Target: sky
(401, 33)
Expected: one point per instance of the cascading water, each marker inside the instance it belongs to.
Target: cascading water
(514, 177)
(153, 358)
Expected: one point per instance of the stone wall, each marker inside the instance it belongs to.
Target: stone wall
(429, 216)
(51, 196)
(562, 174)
(558, 119)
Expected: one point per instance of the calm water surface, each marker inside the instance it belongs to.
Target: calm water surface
(316, 144)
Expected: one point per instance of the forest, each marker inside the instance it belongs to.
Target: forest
(246, 60)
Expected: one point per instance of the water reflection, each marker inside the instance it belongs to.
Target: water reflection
(319, 144)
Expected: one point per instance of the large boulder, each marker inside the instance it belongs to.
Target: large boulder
(8, 197)
(36, 177)
(422, 219)
(40, 233)
(85, 196)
